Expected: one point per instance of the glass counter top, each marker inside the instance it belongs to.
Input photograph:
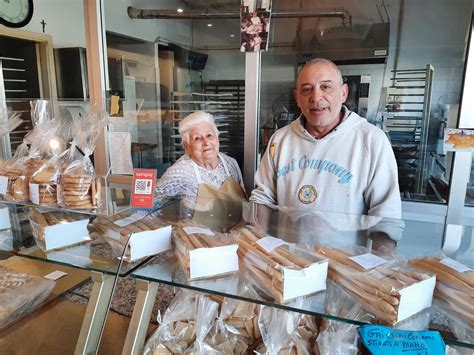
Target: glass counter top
(64, 244)
(402, 239)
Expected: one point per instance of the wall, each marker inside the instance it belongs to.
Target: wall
(64, 21)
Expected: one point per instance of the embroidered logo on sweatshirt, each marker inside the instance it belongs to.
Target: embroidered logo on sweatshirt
(307, 194)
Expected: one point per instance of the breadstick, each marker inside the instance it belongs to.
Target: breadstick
(183, 237)
(197, 244)
(466, 277)
(444, 276)
(249, 237)
(376, 301)
(361, 283)
(293, 258)
(339, 256)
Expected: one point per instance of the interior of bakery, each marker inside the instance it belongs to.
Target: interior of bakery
(149, 63)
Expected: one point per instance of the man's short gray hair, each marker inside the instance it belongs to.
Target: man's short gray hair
(321, 60)
(192, 120)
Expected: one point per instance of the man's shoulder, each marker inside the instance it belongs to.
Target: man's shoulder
(288, 129)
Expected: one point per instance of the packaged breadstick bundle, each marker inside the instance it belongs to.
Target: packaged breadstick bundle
(195, 245)
(78, 185)
(135, 234)
(454, 291)
(20, 294)
(282, 270)
(391, 291)
(57, 229)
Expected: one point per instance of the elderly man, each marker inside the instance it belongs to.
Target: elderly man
(329, 158)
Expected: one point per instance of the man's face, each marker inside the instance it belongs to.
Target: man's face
(203, 145)
(320, 95)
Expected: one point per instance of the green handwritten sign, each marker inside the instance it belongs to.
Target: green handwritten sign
(384, 340)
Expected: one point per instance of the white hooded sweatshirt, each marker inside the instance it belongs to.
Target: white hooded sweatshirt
(352, 169)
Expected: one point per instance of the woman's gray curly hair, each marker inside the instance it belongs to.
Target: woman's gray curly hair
(192, 120)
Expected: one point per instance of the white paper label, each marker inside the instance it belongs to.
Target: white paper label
(130, 219)
(455, 265)
(270, 243)
(3, 185)
(368, 260)
(34, 193)
(198, 230)
(55, 275)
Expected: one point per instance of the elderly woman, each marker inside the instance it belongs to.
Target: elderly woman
(202, 173)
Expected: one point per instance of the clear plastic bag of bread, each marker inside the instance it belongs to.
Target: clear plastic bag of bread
(185, 326)
(176, 330)
(374, 281)
(454, 290)
(266, 260)
(339, 337)
(280, 335)
(15, 175)
(241, 319)
(79, 187)
(20, 294)
(47, 144)
(189, 235)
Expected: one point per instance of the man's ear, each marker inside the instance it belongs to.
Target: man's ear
(295, 94)
(345, 92)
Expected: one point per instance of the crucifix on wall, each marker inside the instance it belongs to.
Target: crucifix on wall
(43, 23)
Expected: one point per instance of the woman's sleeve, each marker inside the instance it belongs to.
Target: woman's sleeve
(178, 180)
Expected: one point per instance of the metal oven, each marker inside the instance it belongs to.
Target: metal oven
(358, 97)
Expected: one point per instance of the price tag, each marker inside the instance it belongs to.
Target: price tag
(143, 188)
(368, 260)
(55, 275)
(198, 230)
(270, 243)
(3, 185)
(381, 340)
(455, 265)
(34, 193)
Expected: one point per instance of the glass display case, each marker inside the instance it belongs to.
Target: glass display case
(44, 253)
(402, 242)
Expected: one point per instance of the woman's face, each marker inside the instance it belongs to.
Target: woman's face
(203, 144)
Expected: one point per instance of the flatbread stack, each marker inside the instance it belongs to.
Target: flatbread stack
(20, 294)
(78, 191)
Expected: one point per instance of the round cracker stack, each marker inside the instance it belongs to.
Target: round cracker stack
(79, 191)
(46, 179)
(18, 179)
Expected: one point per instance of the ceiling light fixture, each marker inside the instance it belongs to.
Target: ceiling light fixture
(209, 25)
(232, 35)
(180, 10)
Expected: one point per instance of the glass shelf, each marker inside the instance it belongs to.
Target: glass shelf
(93, 253)
(402, 238)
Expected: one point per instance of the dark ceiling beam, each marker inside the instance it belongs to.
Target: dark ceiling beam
(136, 13)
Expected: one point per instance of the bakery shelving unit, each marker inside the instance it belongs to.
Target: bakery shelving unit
(418, 239)
(222, 104)
(235, 116)
(406, 117)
